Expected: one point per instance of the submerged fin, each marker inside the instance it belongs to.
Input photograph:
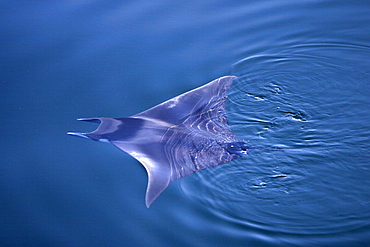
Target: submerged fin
(152, 157)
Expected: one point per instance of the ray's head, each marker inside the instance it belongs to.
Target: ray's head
(236, 148)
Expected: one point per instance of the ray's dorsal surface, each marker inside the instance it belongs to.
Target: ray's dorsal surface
(183, 135)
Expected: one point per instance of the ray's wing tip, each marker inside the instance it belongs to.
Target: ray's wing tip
(226, 81)
(94, 120)
(233, 77)
(228, 78)
(150, 197)
(74, 134)
(148, 201)
(78, 134)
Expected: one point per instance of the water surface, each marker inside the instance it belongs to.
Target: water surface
(303, 71)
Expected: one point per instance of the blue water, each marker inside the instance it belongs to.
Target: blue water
(303, 86)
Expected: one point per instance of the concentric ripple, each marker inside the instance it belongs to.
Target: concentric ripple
(308, 100)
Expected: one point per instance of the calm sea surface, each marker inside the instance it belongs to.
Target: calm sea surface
(303, 87)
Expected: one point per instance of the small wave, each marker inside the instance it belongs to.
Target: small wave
(307, 97)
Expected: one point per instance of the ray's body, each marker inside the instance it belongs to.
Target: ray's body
(176, 138)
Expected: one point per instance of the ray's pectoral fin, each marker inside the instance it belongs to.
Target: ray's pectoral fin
(141, 139)
(183, 135)
(195, 102)
(156, 164)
